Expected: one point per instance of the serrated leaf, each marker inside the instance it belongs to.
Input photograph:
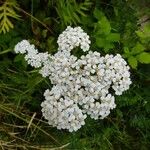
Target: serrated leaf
(100, 42)
(98, 14)
(144, 58)
(133, 62)
(103, 43)
(137, 49)
(126, 50)
(104, 26)
(108, 46)
(140, 34)
(113, 37)
(144, 34)
(127, 53)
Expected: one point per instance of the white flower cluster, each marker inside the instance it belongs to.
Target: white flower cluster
(73, 37)
(33, 57)
(62, 112)
(81, 86)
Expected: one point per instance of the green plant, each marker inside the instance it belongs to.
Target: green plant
(7, 11)
(139, 53)
(103, 34)
(69, 11)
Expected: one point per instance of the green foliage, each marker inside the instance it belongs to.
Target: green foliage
(69, 11)
(7, 11)
(144, 34)
(103, 34)
(144, 58)
(139, 53)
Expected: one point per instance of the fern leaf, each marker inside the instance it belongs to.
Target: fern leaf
(13, 16)
(7, 11)
(9, 23)
(69, 11)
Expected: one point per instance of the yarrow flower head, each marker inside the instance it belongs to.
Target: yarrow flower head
(83, 86)
(73, 37)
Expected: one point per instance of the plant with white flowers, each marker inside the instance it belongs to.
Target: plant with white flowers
(82, 86)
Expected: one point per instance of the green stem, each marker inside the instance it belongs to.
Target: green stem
(44, 25)
(5, 51)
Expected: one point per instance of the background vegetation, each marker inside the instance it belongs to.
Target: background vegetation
(115, 26)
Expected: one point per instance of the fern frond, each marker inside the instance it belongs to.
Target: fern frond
(7, 11)
(69, 11)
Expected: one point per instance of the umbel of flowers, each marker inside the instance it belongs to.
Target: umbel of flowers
(81, 86)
